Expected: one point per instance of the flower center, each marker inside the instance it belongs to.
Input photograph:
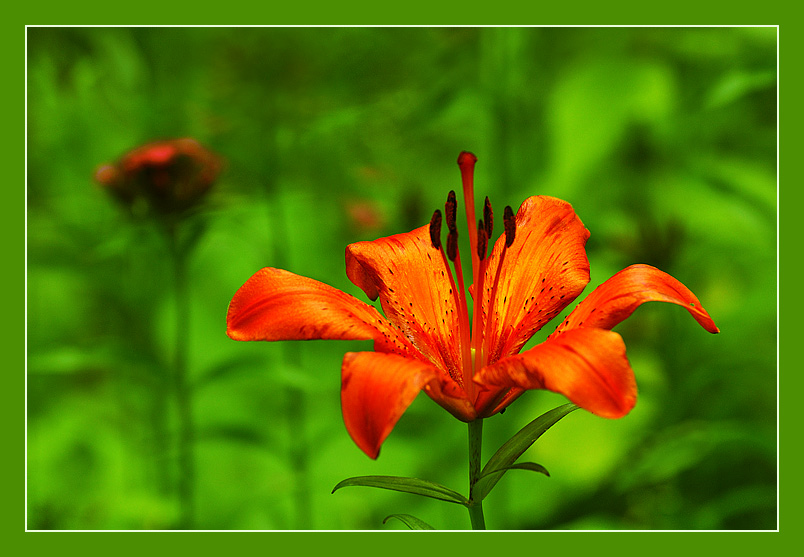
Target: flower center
(474, 339)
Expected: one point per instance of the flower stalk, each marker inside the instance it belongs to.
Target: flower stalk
(475, 445)
(165, 180)
(181, 386)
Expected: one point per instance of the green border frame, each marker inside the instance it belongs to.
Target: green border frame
(366, 13)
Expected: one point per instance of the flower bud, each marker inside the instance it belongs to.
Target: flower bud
(171, 176)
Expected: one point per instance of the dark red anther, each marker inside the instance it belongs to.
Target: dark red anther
(435, 229)
(450, 210)
(510, 226)
(482, 240)
(452, 245)
(488, 217)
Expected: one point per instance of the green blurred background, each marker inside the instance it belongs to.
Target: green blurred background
(663, 139)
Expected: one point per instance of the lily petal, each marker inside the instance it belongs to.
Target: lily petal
(588, 366)
(278, 305)
(376, 389)
(415, 290)
(542, 272)
(617, 298)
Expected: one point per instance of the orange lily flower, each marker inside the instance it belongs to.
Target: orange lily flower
(425, 340)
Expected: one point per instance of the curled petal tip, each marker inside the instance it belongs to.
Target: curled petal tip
(617, 298)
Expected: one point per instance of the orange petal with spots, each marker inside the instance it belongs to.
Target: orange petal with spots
(542, 272)
(376, 389)
(415, 289)
(588, 366)
(278, 305)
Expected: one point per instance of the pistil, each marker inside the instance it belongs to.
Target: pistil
(466, 162)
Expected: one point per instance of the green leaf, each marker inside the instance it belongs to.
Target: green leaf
(406, 485)
(504, 458)
(532, 466)
(410, 521)
(486, 480)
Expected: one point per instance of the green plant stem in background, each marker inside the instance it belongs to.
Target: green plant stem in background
(181, 386)
(475, 445)
(297, 412)
(295, 396)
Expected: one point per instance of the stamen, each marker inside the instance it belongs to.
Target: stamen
(509, 222)
(452, 245)
(482, 240)
(450, 211)
(435, 229)
(478, 325)
(458, 295)
(463, 317)
(488, 217)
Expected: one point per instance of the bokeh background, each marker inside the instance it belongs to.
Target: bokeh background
(663, 139)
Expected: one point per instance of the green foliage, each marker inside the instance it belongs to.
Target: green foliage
(410, 521)
(415, 486)
(663, 139)
(503, 460)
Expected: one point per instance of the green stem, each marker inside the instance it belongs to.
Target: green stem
(475, 445)
(297, 409)
(181, 386)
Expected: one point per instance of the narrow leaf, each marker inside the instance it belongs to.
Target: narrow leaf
(486, 481)
(406, 485)
(532, 466)
(514, 447)
(410, 521)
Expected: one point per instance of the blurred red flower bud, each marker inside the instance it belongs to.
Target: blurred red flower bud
(170, 176)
